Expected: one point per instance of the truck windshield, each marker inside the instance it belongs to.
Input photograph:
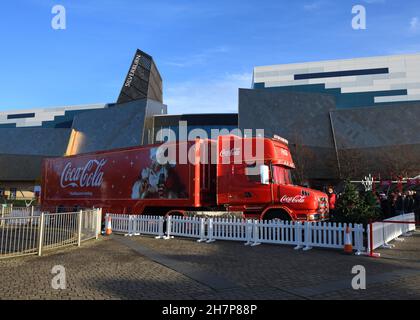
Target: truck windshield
(281, 175)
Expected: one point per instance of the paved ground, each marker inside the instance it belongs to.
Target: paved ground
(146, 268)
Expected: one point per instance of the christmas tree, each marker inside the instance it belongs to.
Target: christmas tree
(353, 207)
(347, 203)
(370, 209)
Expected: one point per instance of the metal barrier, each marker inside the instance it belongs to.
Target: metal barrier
(12, 211)
(19, 236)
(382, 232)
(59, 230)
(33, 234)
(253, 232)
(90, 225)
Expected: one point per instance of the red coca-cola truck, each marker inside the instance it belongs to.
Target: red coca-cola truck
(247, 176)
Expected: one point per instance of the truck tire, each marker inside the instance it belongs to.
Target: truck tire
(277, 215)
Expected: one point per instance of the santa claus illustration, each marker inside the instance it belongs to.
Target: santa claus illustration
(152, 180)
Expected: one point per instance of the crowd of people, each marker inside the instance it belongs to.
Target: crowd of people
(392, 204)
(397, 203)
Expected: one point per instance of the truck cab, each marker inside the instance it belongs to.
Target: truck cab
(261, 185)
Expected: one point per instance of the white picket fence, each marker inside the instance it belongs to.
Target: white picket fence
(385, 231)
(120, 223)
(151, 225)
(253, 232)
(189, 227)
(279, 232)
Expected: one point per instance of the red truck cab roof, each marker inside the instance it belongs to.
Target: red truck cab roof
(275, 150)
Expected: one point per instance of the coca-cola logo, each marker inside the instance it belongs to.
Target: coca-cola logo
(90, 175)
(295, 199)
(230, 152)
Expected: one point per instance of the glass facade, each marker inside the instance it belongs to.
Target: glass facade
(354, 83)
(343, 100)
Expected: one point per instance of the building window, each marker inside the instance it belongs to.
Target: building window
(281, 175)
(346, 73)
(252, 174)
(21, 116)
(13, 192)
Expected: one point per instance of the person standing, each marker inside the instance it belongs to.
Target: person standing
(385, 206)
(400, 203)
(416, 197)
(409, 202)
(392, 199)
(332, 198)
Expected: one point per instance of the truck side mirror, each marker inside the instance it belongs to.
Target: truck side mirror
(264, 174)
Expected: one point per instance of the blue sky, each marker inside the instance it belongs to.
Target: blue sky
(205, 50)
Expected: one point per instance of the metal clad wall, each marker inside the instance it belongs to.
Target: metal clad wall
(302, 118)
(116, 127)
(377, 127)
(34, 141)
(292, 115)
(142, 81)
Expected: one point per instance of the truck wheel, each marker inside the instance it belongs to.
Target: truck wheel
(174, 214)
(277, 215)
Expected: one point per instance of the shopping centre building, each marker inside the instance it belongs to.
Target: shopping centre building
(343, 118)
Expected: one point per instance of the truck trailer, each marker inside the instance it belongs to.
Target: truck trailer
(203, 176)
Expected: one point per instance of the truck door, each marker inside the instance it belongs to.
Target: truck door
(280, 177)
(227, 149)
(237, 182)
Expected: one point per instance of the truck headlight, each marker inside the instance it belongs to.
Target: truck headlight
(314, 216)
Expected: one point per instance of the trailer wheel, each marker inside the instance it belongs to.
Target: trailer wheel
(277, 214)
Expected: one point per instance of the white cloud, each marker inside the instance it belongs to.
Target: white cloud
(213, 96)
(414, 24)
